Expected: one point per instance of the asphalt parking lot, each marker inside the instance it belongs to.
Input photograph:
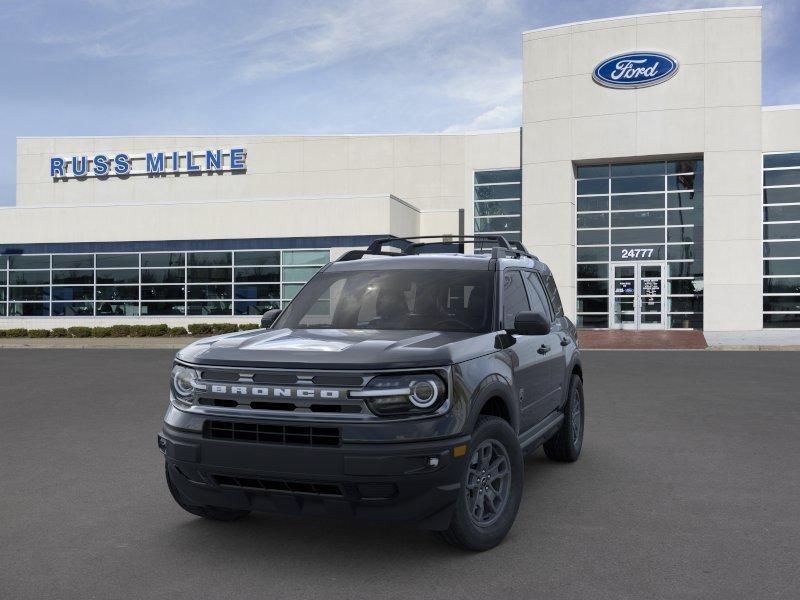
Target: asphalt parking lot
(688, 487)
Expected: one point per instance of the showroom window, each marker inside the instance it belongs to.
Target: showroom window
(781, 300)
(498, 203)
(640, 245)
(129, 284)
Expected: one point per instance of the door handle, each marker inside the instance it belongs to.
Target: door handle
(543, 349)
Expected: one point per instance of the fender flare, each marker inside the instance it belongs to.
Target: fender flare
(494, 386)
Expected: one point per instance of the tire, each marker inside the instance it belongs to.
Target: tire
(476, 524)
(566, 444)
(215, 513)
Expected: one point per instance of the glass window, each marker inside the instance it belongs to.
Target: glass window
(209, 308)
(515, 299)
(636, 184)
(497, 224)
(637, 236)
(782, 285)
(782, 195)
(684, 182)
(536, 294)
(306, 257)
(72, 309)
(789, 159)
(680, 251)
(552, 292)
(782, 213)
(684, 166)
(290, 290)
(495, 192)
(637, 202)
(680, 234)
(587, 171)
(29, 293)
(254, 307)
(590, 254)
(117, 276)
(782, 267)
(163, 276)
(596, 203)
(85, 292)
(497, 208)
(25, 261)
(258, 273)
(209, 275)
(637, 218)
(593, 305)
(592, 271)
(651, 168)
(646, 252)
(592, 186)
(782, 303)
(586, 221)
(3, 262)
(681, 269)
(593, 236)
(117, 292)
(2, 277)
(498, 176)
(301, 274)
(785, 231)
(593, 321)
(593, 288)
(789, 320)
(29, 277)
(687, 321)
(73, 261)
(679, 304)
(163, 259)
(163, 292)
(28, 309)
(685, 217)
(786, 177)
(209, 292)
(162, 308)
(117, 309)
(257, 258)
(257, 292)
(114, 261)
(209, 259)
(684, 200)
(73, 277)
(782, 249)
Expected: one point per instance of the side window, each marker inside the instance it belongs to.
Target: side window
(515, 300)
(552, 291)
(536, 294)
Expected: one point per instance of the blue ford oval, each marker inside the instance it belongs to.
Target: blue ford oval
(635, 70)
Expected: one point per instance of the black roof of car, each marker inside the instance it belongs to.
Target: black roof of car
(467, 262)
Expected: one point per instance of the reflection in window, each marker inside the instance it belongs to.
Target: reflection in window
(498, 203)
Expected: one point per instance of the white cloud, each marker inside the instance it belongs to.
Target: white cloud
(497, 117)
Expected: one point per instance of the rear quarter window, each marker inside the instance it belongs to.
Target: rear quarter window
(552, 292)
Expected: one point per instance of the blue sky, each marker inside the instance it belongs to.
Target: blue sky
(105, 67)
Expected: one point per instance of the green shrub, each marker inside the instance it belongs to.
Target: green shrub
(38, 333)
(157, 330)
(220, 328)
(138, 331)
(2, 333)
(120, 330)
(101, 332)
(80, 332)
(16, 332)
(59, 332)
(177, 331)
(248, 326)
(201, 328)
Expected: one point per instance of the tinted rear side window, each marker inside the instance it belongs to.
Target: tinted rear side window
(552, 292)
(536, 294)
(515, 299)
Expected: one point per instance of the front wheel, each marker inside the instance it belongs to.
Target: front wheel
(216, 513)
(566, 444)
(491, 488)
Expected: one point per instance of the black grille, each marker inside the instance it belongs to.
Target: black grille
(264, 433)
(279, 485)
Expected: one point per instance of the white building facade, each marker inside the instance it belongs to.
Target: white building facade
(662, 198)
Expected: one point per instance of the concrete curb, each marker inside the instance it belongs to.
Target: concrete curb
(173, 343)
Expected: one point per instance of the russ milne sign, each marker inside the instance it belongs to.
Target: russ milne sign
(122, 164)
(635, 70)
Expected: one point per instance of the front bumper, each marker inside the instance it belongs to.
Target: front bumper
(413, 482)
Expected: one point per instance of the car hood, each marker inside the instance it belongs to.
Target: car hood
(338, 349)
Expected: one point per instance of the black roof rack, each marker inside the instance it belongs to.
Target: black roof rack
(409, 246)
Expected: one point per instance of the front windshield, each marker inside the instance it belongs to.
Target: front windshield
(433, 300)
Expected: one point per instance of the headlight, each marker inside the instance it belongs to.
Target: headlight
(183, 383)
(397, 395)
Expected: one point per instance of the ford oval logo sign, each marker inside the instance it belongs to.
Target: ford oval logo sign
(635, 70)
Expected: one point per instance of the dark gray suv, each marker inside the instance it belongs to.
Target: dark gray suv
(403, 383)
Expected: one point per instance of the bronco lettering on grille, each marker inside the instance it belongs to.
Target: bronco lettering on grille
(276, 392)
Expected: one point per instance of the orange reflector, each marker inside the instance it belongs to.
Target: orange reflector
(460, 450)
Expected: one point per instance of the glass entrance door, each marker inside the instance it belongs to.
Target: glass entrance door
(637, 295)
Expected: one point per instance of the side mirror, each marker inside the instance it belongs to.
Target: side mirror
(531, 323)
(269, 317)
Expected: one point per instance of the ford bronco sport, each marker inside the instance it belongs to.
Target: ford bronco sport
(403, 383)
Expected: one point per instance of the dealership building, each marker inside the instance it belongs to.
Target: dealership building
(646, 173)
